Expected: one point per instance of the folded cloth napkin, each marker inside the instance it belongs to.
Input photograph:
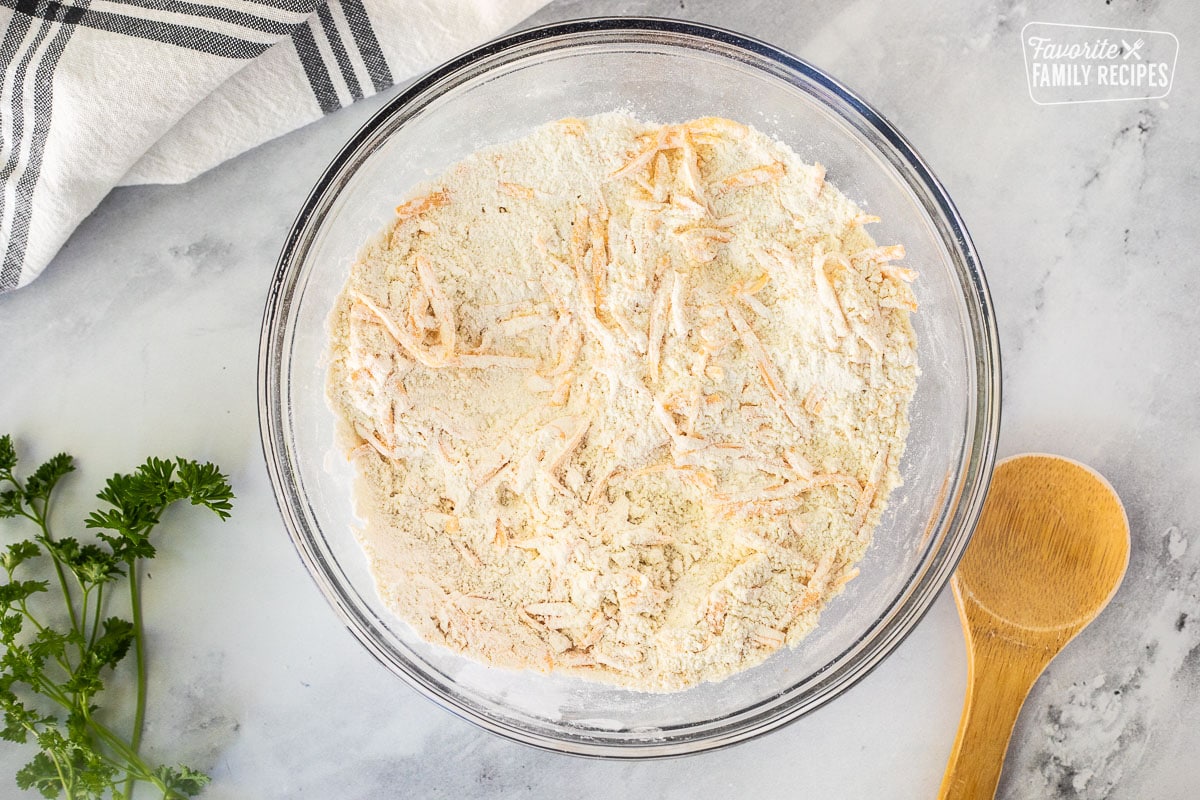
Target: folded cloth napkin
(98, 93)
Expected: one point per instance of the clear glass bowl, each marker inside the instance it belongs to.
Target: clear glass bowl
(661, 71)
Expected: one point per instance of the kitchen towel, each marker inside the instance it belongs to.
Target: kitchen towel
(100, 93)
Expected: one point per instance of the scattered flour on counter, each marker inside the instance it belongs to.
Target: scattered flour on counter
(1176, 544)
(1102, 726)
(624, 400)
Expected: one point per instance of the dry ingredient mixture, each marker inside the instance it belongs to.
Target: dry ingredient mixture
(624, 400)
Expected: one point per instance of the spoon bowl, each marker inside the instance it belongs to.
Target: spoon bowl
(1050, 550)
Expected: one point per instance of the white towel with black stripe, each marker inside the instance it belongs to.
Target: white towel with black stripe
(100, 93)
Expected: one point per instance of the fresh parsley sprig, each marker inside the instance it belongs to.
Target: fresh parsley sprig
(51, 676)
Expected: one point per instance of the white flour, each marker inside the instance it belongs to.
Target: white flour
(624, 400)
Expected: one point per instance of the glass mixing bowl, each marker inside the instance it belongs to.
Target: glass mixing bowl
(661, 71)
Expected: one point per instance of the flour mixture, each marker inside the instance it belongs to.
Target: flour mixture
(624, 400)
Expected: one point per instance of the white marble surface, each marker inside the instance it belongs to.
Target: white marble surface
(142, 337)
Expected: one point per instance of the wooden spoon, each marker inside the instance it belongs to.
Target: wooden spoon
(1049, 553)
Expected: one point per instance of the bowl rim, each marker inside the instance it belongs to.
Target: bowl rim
(904, 611)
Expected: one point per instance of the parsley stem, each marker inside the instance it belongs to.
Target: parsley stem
(83, 615)
(58, 768)
(60, 659)
(96, 617)
(62, 576)
(139, 715)
(135, 767)
(43, 520)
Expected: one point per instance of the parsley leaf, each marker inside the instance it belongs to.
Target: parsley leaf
(46, 477)
(182, 780)
(8, 453)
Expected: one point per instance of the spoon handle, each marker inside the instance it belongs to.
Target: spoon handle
(1000, 672)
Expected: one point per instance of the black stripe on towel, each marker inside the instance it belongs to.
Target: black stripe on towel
(368, 44)
(191, 37)
(43, 106)
(315, 69)
(14, 35)
(239, 18)
(339, 51)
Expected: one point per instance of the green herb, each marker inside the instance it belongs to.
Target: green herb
(55, 665)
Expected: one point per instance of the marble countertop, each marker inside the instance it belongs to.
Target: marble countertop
(142, 337)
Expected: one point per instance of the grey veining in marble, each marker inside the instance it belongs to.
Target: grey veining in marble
(142, 337)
